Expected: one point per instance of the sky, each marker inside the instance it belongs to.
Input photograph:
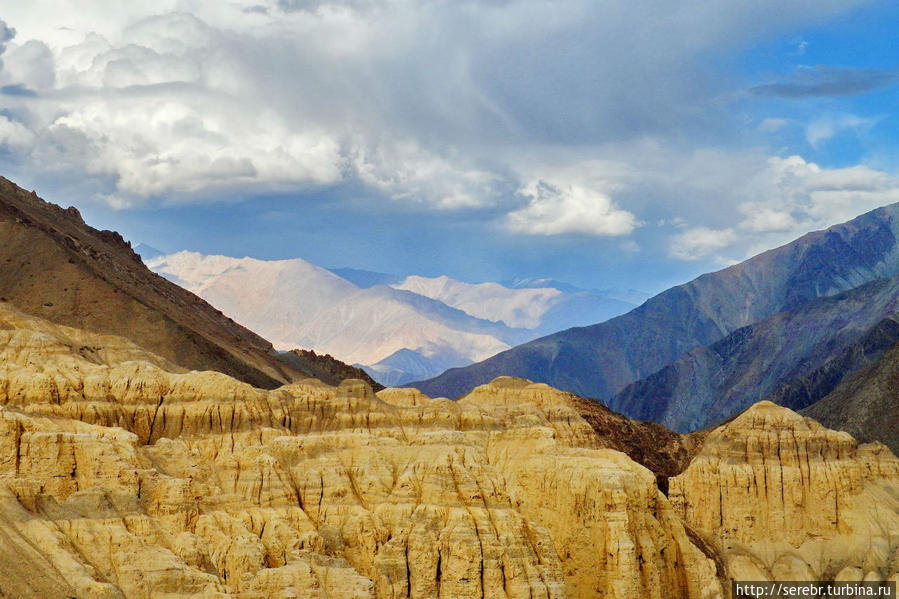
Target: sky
(608, 144)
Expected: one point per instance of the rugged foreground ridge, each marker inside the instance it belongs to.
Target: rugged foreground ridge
(56, 267)
(783, 498)
(122, 475)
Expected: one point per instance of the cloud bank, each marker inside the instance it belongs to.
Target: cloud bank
(550, 119)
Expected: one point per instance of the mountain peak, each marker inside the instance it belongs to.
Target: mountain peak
(56, 267)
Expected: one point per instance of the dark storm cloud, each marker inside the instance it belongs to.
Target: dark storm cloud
(6, 34)
(17, 90)
(829, 81)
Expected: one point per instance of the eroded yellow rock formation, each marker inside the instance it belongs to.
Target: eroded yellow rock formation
(123, 476)
(783, 498)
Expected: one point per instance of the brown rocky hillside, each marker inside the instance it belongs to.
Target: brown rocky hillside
(54, 266)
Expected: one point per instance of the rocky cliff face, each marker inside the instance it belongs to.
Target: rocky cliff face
(326, 367)
(122, 475)
(852, 362)
(600, 360)
(780, 497)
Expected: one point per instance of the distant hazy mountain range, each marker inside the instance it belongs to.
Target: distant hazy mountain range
(794, 324)
(398, 328)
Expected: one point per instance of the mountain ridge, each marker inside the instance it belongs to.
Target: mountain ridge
(629, 347)
(711, 383)
(443, 321)
(864, 403)
(54, 265)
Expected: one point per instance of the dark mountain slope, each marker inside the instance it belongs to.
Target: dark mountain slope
(661, 450)
(867, 404)
(325, 367)
(600, 360)
(55, 266)
(712, 383)
(808, 388)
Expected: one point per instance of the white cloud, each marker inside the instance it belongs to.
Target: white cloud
(173, 107)
(185, 98)
(406, 171)
(557, 209)
(765, 219)
(762, 203)
(823, 129)
(30, 65)
(14, 135)
(813, 197)
(700, 242)
(156, 146)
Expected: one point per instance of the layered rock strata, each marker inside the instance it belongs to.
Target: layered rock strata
(780, 497)
(124, 476)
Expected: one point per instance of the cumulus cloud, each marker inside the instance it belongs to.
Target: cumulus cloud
(406, 171)
(699, 242)
(14, 136)
(442, 105)
(156, 146)
(30, 66)
(555, 210)
(765, 219)
(768, 202)
(810, 195)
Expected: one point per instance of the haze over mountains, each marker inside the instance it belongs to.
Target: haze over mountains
(790, 325)
(398, 328)
(793, 322)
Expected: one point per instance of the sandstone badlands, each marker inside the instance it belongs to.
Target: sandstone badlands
(123, 475)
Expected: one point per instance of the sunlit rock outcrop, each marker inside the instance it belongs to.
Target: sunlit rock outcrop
(123, 476)
(783, 498)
